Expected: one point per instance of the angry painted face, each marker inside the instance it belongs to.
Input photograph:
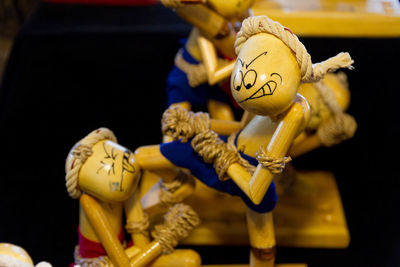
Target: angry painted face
(266, 75)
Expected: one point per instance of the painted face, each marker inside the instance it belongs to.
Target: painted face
(231, 8)
(110, 173)
(266, 75)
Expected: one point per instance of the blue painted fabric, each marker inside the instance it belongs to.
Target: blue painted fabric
(179, 90)
(183, 155)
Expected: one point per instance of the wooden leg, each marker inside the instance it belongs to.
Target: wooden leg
(262, 238)
(104, 231)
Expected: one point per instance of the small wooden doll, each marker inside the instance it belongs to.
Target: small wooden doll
(15, 256)
(105, 176)
(207, 57)
(270, 66)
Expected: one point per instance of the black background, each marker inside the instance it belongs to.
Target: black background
(73, 69)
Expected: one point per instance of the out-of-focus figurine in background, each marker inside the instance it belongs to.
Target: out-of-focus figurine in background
(204, 63)
(15, 256)
(105, 177)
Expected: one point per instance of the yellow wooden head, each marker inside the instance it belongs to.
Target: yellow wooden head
(320, 111)
(266, 75)
(106, 170)
(14, 256)
(271, 62)
(231, 9)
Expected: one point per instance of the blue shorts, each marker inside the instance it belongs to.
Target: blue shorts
(179, 90)
(183, 155)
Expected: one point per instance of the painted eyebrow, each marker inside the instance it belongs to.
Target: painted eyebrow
(277, 74)
(263, 53)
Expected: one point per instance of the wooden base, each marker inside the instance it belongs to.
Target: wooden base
(311, 215)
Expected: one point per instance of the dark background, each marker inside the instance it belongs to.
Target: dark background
(73, 69)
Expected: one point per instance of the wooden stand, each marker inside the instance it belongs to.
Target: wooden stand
(310, 216)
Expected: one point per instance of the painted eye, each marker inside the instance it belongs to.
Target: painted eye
(249, 79)
(237, 81)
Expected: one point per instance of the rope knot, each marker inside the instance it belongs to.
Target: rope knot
(179, 222)
(337, 129)
(274, 165)
(179, 123)
(319, 70)
(167, 190)
(138, 227)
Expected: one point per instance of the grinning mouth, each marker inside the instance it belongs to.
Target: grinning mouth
(261, 92)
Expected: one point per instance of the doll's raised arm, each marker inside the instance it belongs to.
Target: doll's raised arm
(256, 186)
(214, 72)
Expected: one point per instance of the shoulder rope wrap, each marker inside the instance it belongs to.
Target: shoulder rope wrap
(182, 124)
(179, 222)
(102, 261)
(340, 126)
(196, 73)
(78, 155)
(138, 227)
(309, 72)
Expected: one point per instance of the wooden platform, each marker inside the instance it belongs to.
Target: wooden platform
(311, 215)
(335, 18)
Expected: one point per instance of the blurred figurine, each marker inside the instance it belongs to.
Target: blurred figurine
(15, 256)
(207, 57)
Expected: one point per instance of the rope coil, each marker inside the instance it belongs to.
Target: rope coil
(167, 190)
(179, 222)
(182, 124)
(138, 227)
(196, 73)
(340, 126)
(274, 165)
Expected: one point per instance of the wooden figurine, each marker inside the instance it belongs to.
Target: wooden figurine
(105, 176)
(15, 256)
(270, 66)
(207, 57)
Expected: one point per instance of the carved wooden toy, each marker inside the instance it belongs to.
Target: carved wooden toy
(207, 57)
(105, 176)
(270, 66)
(15, 256)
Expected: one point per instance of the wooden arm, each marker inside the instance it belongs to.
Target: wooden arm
(134, 212)
(304, 144)
(104, 232)
(206, 20)
(210, 60)
(224, 127)
(256, 186)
